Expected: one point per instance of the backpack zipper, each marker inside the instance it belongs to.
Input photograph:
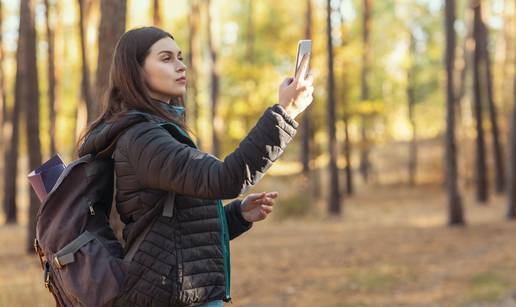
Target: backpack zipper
(90, 205)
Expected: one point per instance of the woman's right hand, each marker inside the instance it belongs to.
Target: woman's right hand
(295, 94)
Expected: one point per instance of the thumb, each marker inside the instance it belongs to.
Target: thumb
(286, 82)
(255, 196)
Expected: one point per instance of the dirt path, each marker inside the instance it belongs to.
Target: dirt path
(389, 248)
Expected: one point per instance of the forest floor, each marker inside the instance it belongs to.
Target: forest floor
(389, 247)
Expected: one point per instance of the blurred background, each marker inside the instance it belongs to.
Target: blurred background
(399, 188)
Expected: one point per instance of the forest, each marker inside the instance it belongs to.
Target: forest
(399, 188)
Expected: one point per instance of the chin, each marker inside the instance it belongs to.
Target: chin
(178, 91)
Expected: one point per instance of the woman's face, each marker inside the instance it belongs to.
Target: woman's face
(163, 69)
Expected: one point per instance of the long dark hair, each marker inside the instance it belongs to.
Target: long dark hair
(126, 88)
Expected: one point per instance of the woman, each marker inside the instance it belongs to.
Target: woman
(167, 191)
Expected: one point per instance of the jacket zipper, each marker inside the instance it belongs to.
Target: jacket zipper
(225, 249)
(224, 231)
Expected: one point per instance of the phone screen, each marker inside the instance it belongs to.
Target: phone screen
(304, 46)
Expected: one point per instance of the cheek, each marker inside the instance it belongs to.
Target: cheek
(160, 76)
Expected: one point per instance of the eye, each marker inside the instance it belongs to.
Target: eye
(166, 59)
(180, 58)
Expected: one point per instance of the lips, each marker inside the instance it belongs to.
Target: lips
(181, 79)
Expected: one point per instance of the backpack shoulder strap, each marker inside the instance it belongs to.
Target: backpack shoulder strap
(169, 198)
(168, 209)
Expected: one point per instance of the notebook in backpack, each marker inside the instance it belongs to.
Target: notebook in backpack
(82, 259)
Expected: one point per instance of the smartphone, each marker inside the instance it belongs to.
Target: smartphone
(303, 47)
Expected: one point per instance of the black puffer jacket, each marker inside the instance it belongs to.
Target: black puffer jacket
(184, 260)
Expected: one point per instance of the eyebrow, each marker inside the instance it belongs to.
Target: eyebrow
(169, 52)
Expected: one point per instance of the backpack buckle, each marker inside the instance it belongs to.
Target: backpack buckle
(57, 263)
(40, 254)
(46, 275)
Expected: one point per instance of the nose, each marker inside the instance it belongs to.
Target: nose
(181, 67)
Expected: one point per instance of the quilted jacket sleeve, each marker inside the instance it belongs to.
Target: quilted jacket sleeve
(236, 223)
(161, 162)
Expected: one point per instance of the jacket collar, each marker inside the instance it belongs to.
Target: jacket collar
(106, 133)
(178, 111)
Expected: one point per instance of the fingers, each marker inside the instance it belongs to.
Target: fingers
(268, 202)
(304, 84)
(303, 67)
(266, 209)
(272, 194)
(264, 201)
(255, 196)
(309, 79)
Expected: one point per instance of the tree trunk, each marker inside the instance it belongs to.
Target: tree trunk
(11, 152)
(493, 114)
(156, 13)
(193, 46)
(305, 123)
(364, 87)
(3, 102)
(111, 28)
(511, 191)
(481, 166)
(411, 101)
(334, 199)
(250, 31)
(347, 155)
(467, 58)
(85, 81)
(455, 212)
(509, 53)
(348, 170)
(51, 79)
(214, 84)
(29, 100)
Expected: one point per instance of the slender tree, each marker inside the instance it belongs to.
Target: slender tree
(193, 55)
(364, 86)
(511, 191)
(111, 27)
(156, 13)
(85, 80)
(346, 117)
(249, 54)
(455, 212)
(214, 80)
(51, 76)
(305, 123)
(11, 152)
(481, 165)
(12, 137)
(29, 100)
(3, 102)
(334, 199)
(509, 39)
(411, 102)
(467, 58)
(493, 114)
(250, 31)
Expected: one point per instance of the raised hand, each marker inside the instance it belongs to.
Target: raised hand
(295, 94)
(257, 206)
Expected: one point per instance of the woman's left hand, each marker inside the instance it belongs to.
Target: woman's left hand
(256, 206)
